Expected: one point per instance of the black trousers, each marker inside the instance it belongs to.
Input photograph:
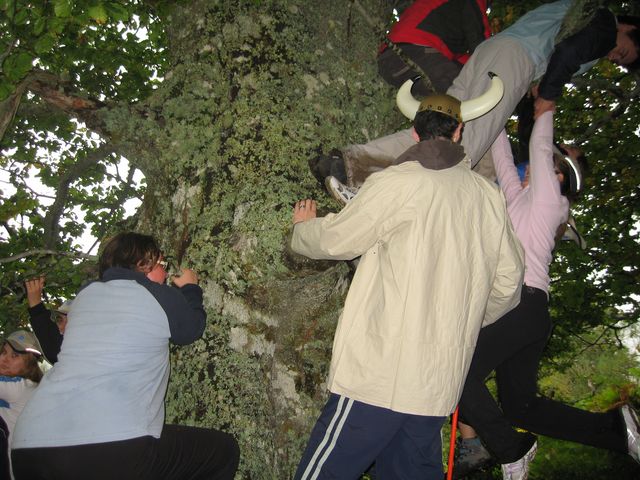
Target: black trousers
(440, 70)
(181, 453)
(4, 450)
(513, 347)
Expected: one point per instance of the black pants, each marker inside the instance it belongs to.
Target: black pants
(181, 453)
(440, 70)
(4, 450)
(513, 347)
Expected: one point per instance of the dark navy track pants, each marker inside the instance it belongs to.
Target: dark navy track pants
(349, 436)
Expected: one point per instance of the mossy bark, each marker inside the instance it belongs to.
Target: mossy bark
(256, 88)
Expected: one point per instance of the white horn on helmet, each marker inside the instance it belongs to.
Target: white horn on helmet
(405, 101)
(467, 110)
(476, 107)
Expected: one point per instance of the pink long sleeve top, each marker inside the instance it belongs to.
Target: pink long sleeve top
(537, 210)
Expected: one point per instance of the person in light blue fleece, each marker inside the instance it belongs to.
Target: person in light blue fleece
(99, 412)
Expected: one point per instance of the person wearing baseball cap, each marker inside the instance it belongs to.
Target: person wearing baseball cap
(19, 376)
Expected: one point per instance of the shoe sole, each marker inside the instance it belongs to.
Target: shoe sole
(629, 413)
(528, 458)
(335, 195)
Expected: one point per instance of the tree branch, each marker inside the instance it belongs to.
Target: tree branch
(7, 52)
(9, 106)
(624, 100)
(44, 252)
(52, 218)
(10, 230)
(24, 185)
(62, 95)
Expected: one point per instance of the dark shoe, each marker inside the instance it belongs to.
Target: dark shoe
(470, 457)
(331, 165)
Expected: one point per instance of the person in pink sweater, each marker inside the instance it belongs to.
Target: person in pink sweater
(513, 345)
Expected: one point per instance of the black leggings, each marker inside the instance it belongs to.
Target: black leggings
(513, 347)
(181, 453)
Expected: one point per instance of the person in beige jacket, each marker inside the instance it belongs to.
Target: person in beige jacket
(439, 260)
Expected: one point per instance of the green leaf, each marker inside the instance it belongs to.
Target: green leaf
(118, 12)
(21, 17)
(62, 8)
(38, 26)
(18, 203)
(98, 13)
(16, 66)
(56, 25)
(44, 44)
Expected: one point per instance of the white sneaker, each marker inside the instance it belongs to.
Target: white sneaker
(519, 470)
(339, 190)
(633, 431)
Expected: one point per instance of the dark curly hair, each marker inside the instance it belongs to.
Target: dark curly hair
(131, 250)
(634, 35)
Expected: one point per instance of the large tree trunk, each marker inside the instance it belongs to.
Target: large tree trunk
(256, 88)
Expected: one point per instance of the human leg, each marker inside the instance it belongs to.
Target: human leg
(440, 70)
(507, 58)
(126, 460)
(347, 438)
(414, 452)
(471, 454)
(518, 337)
(181, 453)
(4, 449)
(192, 453)
(363, 160)
(551, 418)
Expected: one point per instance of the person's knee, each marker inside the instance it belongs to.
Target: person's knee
(517, 410)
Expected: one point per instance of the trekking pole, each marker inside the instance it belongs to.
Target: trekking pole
(452, 443)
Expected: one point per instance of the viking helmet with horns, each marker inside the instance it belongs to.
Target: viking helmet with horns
(448, 105)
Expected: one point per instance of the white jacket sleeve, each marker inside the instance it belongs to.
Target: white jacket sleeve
(507, 283)
(13, 389)
(351, 232)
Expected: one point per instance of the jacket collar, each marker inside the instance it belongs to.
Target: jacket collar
(435, 154)
(119, 273)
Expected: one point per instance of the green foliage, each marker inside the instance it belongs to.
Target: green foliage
(220, 104)
(101, 50)
(112, 48)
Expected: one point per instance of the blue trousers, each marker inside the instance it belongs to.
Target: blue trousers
(349, 436)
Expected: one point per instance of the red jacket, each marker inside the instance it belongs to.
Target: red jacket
(453, 27)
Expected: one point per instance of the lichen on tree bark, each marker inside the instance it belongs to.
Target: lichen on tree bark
(256, 88)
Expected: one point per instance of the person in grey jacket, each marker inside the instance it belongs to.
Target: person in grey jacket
(524, 52)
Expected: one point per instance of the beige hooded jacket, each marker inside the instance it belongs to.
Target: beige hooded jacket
(439, 261)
